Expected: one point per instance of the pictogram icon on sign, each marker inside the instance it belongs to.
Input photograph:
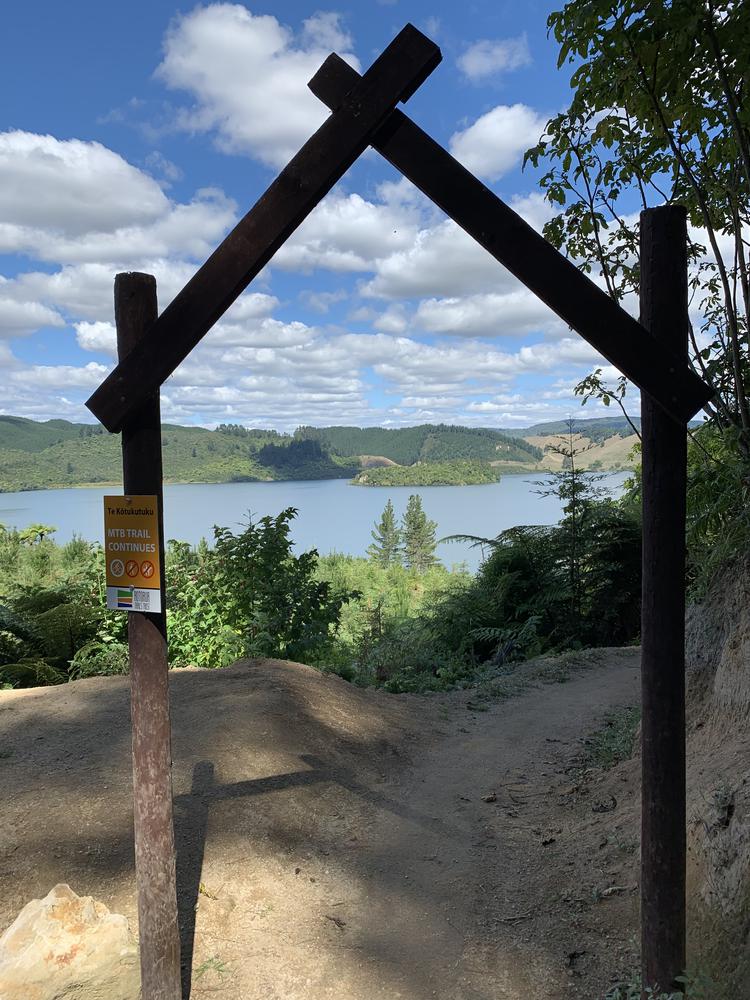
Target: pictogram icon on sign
(116, 567)
(131, 568)
(147, 568)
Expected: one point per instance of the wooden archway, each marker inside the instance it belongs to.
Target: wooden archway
(652, 354)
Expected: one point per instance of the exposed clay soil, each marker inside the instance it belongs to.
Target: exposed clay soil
(335, 842)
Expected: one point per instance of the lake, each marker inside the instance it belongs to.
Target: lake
(333, 516)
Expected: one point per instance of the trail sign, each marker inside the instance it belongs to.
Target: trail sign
(131, 551)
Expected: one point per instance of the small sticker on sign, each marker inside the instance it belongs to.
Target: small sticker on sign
(133, 599)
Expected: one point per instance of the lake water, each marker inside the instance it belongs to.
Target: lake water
(333, 516)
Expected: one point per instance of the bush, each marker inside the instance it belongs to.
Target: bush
(250, 596)
(64, 629)
(543, 589)
(99, 659)
(30, 672)
(718, 504)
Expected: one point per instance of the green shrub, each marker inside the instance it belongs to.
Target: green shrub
(718, 504)
(11, 647)
(250, 596)
(30, 672)
(65, 628)
(99, 659)
(614, 741)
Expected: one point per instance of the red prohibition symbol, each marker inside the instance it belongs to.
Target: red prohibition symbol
(131, 568)
(147, 568)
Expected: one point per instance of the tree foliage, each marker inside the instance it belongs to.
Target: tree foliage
(423, 443)
(577, 492)
(461, 472)
(251, 595)
(547, 589)
(660, 114)
(418, 534)
(386, 539)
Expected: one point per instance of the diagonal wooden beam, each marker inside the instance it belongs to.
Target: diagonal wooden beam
(309, 176)
(512, 242)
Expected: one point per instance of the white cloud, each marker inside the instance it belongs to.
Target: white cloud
(98, 336)
(248, 75)
(489, 57)
(496, 142)
(69, 187)
(85, 291)
(514, 313)
(255, 367)
(247, 320)
(268, 332)
(322, 301)
(348, 233)
(533, 208)
(18, 318)
(60, 376)
(262, 371)
(159, 164)
(69, 201)
(324, 31)
(441, 261)
(570, 351)
(393, 320)
(433, 402)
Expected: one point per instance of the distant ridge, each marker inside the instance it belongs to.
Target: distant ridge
(59, 453)
(595, 428)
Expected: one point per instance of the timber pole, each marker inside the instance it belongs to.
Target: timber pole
(664, 312)
(135, 313)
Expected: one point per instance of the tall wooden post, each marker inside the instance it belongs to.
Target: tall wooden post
(664, 312)
(135, 312)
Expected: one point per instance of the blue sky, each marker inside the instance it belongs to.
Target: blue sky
(132, 137)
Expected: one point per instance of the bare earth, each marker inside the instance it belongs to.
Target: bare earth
(335, 842)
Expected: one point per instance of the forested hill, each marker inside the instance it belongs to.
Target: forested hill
(424, 443)
(597, 429)
(58, 453)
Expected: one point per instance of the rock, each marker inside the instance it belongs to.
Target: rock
(68, 947)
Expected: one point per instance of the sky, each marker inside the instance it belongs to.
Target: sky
(134, 136)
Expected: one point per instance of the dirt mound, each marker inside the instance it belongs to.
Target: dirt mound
(334, 842)
(275, 767)
(375, 461)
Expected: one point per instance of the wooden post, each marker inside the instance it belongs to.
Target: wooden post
(664, 312)
(135, 313)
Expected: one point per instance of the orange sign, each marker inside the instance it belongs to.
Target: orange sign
(131, 549)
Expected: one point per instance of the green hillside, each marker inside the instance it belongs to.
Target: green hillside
(85, 454)
(424, 443)
(596, 429)
(18, 433)
(57, 453)
(461, 472)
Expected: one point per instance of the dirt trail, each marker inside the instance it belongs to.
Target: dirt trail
(343, 843)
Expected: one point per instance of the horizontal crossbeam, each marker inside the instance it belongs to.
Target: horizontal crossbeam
(526, 254)
(309, 176)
